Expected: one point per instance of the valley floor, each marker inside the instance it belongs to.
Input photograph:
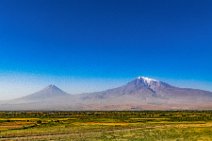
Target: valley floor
(106, 126)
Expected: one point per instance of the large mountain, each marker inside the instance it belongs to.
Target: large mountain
(140, 94)
(149, 94)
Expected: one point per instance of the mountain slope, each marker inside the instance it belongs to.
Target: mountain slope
(47, 99)
(145, 93)
(47, 93)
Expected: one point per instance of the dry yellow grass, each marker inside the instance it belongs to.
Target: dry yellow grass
(102, 123)
(14, 125)
(21, 119)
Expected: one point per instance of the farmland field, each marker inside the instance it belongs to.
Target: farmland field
(106, 126)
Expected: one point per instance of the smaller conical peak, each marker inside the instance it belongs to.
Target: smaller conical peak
(51, 86)
(53, 89)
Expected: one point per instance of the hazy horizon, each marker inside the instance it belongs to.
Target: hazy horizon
(23, 87)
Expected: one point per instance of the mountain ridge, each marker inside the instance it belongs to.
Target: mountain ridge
(142, 93)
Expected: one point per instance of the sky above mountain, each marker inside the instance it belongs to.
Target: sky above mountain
(72, 43)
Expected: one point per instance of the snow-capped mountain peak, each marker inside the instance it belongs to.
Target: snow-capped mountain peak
(147, 80)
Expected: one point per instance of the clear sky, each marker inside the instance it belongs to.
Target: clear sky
(89, 45)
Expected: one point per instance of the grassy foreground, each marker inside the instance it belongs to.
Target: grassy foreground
(106, 126)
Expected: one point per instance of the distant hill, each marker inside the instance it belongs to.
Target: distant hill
(140, 94)
(47, 93)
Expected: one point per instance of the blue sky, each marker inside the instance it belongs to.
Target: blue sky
(83, 45)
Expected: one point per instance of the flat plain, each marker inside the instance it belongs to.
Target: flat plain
(106, 126)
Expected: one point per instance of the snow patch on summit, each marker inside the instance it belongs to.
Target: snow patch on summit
(147, 80)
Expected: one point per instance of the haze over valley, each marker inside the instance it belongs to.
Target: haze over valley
(142, 93)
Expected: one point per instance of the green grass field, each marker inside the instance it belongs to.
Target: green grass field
(106, 126)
